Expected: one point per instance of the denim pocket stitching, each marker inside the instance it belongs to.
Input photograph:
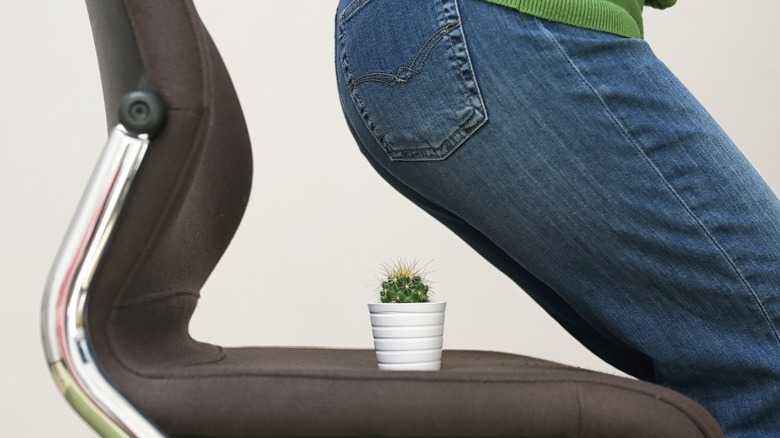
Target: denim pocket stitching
(475, 120)
(461, 128)
(470, 87)
(397, 77)
(351, 8)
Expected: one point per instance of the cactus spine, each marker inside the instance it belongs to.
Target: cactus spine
(403, 282)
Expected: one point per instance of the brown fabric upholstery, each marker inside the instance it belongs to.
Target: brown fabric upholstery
(325, 392)
(182, 212)
(184, 207)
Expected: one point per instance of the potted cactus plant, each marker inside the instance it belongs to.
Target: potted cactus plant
(408, 327)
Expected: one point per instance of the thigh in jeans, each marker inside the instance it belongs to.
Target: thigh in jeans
(598, 176)
(409, 93)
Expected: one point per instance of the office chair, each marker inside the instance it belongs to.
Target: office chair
(160, 209)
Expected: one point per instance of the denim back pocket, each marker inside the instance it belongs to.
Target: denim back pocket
(409, 75)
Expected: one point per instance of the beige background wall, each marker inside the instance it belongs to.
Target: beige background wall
(303, 263)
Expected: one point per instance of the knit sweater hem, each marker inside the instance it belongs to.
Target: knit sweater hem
(619, 17)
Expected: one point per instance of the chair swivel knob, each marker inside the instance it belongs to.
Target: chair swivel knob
(142, 112)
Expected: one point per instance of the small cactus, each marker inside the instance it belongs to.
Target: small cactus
(403, 282)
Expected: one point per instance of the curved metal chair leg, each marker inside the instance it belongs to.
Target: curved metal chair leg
(64, 321)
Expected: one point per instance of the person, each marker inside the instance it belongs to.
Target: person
(550, 138)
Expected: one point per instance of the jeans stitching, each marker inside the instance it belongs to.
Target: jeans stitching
(666, 183)
(396, 78)
(351, 8)
(469, 91)
(352, 83)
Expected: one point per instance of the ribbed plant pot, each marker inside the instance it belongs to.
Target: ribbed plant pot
(408, 336)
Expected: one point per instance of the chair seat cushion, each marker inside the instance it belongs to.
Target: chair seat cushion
(254, 392)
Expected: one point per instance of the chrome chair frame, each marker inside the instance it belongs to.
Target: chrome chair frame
(64, 318)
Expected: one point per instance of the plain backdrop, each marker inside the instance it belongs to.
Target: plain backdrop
(304, 261)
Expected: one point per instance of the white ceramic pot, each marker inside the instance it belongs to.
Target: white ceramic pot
(408, 336)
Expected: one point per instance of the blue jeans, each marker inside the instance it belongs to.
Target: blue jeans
(581, 167)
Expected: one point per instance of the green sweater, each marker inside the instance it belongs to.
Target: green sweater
(621, 17)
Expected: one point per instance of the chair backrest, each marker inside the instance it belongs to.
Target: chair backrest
(121, 67)
(188, 197)
(175, 220)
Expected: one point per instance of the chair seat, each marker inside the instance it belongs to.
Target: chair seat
(253, 392)
(175, 222)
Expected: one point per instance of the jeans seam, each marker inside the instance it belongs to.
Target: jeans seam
(351, 8)
(667, 184)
